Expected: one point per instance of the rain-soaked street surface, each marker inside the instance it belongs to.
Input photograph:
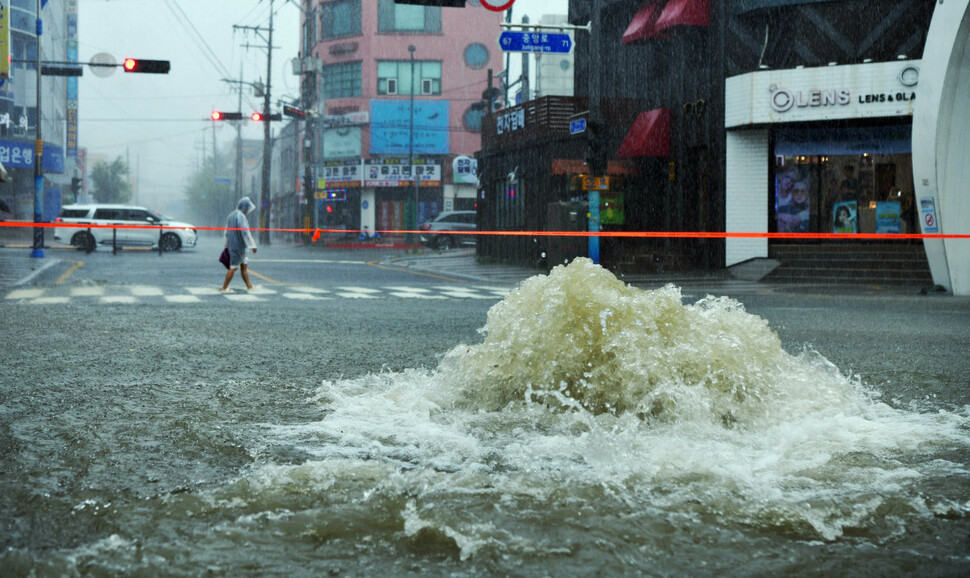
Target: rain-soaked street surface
(593, 428)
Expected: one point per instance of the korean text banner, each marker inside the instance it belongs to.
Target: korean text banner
(391, 127)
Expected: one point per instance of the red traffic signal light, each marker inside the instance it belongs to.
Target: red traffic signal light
(219, 115)
(146, 66)
(259, 117)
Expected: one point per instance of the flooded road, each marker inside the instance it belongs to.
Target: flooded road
(590, 428)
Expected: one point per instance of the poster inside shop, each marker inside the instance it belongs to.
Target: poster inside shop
(845, 217)
(393, 172)
(888, 219)
(792, 199)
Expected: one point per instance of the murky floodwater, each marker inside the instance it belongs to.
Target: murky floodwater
(594, 429)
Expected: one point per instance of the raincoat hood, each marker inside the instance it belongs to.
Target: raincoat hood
(246, 206)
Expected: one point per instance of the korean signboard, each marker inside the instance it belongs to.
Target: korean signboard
(392, 172)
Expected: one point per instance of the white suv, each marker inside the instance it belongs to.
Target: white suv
(172, 235)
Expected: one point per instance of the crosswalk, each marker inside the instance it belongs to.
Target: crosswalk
(133, 294)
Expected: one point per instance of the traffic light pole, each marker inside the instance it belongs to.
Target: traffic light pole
(38, 250)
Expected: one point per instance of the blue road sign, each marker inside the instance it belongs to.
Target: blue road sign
(577, 126)
(535, 42)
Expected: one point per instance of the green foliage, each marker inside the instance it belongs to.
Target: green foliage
(208, 201)
(110, 182)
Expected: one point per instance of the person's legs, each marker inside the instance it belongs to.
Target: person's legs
(229, 275)
(244, 270)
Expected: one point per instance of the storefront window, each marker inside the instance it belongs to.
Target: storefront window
(844, 181)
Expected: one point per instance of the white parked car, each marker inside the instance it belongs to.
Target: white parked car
(174, 236)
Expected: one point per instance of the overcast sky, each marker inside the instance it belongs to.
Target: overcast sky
(161, 122)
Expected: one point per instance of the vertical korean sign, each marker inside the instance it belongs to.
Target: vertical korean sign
(72, 95)
(4, 40)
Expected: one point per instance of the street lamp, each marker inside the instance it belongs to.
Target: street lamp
(411, 190)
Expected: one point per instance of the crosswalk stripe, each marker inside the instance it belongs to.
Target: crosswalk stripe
(305, 297)
(126, 299)
(182, 299)
(26, 293)
(145, 291)
(87, 291)
(124, 294)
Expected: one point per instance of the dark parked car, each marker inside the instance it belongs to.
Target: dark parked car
(431, 231)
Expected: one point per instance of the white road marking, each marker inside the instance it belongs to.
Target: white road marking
(243, 297)
(124, 294)
(182, 299)
(305, 297)
(26, 293)
(127, 299)
(303, 289)
(87, 291)
(50, 301)
(203, 290)
(145, 291)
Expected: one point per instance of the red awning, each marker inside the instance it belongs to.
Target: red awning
(649, 136)
(684, 13)
(642, 25)
(578, 167)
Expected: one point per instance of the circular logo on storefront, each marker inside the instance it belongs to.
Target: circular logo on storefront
(909, 76)
(782, 99)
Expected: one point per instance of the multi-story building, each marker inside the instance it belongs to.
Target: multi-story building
(760, 116)
(18, 105)
(396, 89)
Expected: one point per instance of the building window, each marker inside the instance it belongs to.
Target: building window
(340, 18)
(341, 80)
(394, 77)
(408, 18)
(476, 55)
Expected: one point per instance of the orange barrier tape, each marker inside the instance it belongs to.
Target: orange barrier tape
(603, 234)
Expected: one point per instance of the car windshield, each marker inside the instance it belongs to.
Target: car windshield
(484, 288)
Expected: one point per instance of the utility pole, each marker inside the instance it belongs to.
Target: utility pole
(414, 224)
(239, 152)
(265, 201)
(267, 140)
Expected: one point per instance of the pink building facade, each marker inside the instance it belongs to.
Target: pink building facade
(377, 124)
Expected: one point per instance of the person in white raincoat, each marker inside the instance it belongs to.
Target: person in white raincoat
(238, 240)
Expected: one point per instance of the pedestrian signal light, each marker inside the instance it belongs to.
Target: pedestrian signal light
(219, 115)
(146, 66)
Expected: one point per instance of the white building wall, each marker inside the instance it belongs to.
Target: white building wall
(746, 194)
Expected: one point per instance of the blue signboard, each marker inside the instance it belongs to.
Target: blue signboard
(535, 42)
(20, 154)
(390, 129)
(577, 126)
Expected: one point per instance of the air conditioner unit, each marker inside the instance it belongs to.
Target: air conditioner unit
(426, 86)
(391, 86)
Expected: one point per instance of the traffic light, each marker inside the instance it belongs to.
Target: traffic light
(293, 111)
(75, 186)
(219, 115)
(260, 117)
(596, 160)
(147, 66)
